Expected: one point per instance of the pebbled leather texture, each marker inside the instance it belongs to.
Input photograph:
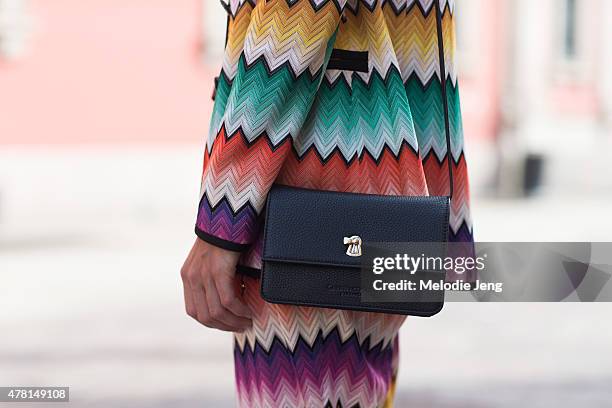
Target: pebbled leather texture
(304, 256)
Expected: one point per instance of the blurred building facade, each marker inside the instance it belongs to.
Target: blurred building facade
(536, 94)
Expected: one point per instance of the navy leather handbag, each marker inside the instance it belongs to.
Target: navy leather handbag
(313, 240)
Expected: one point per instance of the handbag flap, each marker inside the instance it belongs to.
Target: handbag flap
(317, 227)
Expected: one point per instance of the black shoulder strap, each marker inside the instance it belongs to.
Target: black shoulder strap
(449, 154)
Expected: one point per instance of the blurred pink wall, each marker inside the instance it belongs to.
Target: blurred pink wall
(116, 71)
(481, 78)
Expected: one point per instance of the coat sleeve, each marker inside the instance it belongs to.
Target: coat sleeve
(274, 61)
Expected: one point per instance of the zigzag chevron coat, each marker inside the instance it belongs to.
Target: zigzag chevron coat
(335, 95)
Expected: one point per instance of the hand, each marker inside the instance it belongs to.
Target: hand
(211, 288)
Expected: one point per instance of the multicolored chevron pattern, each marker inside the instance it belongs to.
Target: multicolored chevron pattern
(283, 114)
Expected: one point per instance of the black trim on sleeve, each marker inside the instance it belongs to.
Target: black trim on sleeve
(219, 242)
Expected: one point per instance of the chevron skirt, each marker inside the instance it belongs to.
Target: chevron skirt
(307, 357)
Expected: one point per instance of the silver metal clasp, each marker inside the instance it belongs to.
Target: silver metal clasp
(354, 245)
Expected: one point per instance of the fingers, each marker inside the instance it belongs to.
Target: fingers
(218, 311)
(228, 296)
(204, 316)
(199, 299)
(210, 289)
(196, 306)
(190, 307)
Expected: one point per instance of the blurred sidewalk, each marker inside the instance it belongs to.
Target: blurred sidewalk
(91, 242)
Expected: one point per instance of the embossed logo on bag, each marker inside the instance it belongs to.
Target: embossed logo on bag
(354, 245)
